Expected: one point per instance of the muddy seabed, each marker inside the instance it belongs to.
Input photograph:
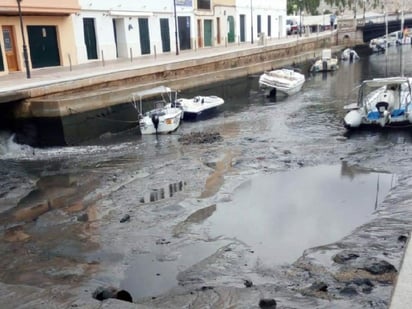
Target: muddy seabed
(56, 253)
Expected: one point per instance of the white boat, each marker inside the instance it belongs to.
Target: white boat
(326, 62)
(349, 54)
(284, 81)
(381, 102)
(163, 118)
(377, 45)
(198, 106)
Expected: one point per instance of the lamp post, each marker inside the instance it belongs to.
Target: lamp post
(323, 24)
(364, 11)
(251, 21)
(25, 55)
(177, 43)
(300, 13)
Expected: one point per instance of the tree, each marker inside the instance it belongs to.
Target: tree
(310, 6)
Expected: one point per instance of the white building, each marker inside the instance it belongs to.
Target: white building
(111, 29)
(269, 18)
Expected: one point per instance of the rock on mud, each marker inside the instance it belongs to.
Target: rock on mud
(200, 138)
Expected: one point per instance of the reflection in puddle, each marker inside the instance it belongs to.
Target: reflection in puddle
(156, 273)
(163, 193)
(281, 215)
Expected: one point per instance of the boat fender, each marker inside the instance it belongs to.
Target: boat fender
(353, 119)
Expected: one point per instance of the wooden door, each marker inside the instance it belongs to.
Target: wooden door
(207, 32)
(199, 33)
(10, 48)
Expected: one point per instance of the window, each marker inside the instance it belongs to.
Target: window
(203, 4)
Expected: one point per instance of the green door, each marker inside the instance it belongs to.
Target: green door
(44, 50)
(1, 60)
(144, 36)
(231, 32)
(208, 32)
(184, 32)
(165, 34)
(90, 38)
(242, 28)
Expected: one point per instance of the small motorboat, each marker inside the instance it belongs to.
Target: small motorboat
(199, 106)
(325, 63)
(164, 117)
(349, 54)
(283, 81)
(381, 102)
(377, 45)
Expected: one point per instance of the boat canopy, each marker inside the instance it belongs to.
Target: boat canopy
(151, 92)
(379, 82)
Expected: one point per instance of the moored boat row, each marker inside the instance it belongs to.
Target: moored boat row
(168, 111)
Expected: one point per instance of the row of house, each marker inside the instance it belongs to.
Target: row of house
(70, 32)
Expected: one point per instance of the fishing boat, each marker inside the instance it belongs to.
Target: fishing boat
(381, 102)
(199, 106)
(283, 81)
(164, 117)
(326, 62)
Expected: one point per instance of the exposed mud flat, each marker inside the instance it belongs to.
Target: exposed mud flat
(61, 210)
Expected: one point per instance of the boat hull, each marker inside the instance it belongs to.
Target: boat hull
(283, 81)
(166, 123)
(199, 107)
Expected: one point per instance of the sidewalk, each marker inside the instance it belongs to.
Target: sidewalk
(402, 292)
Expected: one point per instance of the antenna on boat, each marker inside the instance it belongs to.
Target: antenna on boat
(403, 38)
(386, 41)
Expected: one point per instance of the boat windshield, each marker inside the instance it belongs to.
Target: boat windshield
(397, 90)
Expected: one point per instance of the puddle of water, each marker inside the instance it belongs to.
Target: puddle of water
(153, 274)
(281, 215)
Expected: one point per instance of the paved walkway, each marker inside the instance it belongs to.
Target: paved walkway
(402, 293)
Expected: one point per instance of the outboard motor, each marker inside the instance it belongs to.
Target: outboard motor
(155, 120)
(351, 55)
(324, 65)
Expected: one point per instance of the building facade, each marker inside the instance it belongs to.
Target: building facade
(70, 32)
(47, 33)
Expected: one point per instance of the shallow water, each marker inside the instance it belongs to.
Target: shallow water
(281, 215)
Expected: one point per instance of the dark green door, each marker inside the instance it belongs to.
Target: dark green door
(1, 60)
(184, 32)
(231, 32)
(44, 51)
(90, 38)
(208, 32)
(144, 36)
(242, 28)
(165, 34)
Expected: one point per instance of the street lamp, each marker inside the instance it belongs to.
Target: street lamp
(25, 55)
(177, 44)
(251, 21)
(300, 23)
